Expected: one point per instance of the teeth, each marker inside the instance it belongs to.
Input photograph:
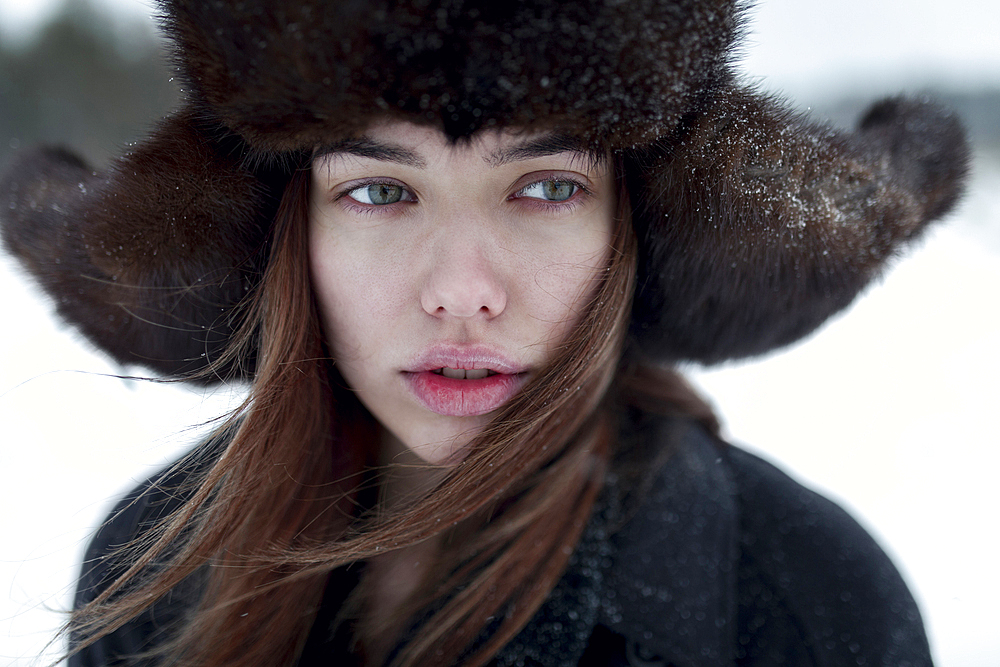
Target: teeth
(461, 374)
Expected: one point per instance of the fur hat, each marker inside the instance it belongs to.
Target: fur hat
(754, 225)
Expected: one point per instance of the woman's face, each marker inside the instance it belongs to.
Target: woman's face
(447, 274)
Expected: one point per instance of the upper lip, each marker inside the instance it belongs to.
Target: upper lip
(465, 357)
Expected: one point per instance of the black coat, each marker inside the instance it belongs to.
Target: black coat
(726, 561)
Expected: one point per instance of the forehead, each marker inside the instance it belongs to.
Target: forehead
(419, 146)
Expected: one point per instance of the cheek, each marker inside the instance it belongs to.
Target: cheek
(354, 294)
(569, 279)
(559, 289)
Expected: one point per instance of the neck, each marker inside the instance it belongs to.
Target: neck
(405, 477)
(395, 576)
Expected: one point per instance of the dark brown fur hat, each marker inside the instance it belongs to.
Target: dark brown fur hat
(755, 225)
(291, 75)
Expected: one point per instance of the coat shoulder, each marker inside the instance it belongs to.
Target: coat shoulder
(107, 556)
(812, 581)
(730, 561)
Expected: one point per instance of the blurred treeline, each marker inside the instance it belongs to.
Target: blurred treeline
(83, 83)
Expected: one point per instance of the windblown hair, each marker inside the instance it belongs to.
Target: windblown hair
(754, 226)
(278, 510)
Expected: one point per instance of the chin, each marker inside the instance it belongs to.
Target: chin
(447, 445)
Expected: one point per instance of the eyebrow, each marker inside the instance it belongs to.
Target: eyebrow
(369, 148)
(555, 144)
(552, 144)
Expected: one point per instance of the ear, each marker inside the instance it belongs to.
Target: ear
(756, 225)
(149, 259)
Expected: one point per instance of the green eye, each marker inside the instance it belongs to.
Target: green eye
(378, 194)
(558, 190)
(550, 190)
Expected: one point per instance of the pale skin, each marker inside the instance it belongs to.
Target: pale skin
(432, 260)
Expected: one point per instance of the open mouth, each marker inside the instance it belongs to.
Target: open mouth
(461, 392)
(463, 374)
(488, 380)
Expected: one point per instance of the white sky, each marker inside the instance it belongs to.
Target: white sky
(808, 44)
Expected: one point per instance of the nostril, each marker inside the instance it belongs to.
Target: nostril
(463, 280)
(464, 298)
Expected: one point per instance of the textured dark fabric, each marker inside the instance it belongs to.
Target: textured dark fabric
(727, 561)
(755, 224)
(132, 517)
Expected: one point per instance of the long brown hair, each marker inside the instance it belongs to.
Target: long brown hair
(276, 513)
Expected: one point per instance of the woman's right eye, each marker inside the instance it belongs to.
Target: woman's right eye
(380, 194)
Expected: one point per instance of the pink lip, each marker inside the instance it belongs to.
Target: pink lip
(463, 398)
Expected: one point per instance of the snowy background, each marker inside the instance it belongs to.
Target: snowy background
(888, 409)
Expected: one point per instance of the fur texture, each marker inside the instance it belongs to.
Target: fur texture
(756, 225)
(295, 75)
(149, 260)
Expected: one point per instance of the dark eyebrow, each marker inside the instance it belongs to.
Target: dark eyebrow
(369, 148)
(552, 144)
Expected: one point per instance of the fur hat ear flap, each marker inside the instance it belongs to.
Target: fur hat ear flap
(756, 226)
(149, 259)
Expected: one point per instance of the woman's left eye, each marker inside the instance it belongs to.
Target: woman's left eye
(380, 194)
(551, 190)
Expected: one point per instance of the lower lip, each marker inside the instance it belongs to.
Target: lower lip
(463, 398)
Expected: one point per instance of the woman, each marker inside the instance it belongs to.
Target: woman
(455, 247)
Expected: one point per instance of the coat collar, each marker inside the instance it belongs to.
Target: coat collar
(666, 579)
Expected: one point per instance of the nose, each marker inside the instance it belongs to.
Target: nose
(464, 280)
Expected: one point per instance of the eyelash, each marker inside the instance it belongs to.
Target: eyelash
(369, 209)
(581, 192)
(555, 206)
